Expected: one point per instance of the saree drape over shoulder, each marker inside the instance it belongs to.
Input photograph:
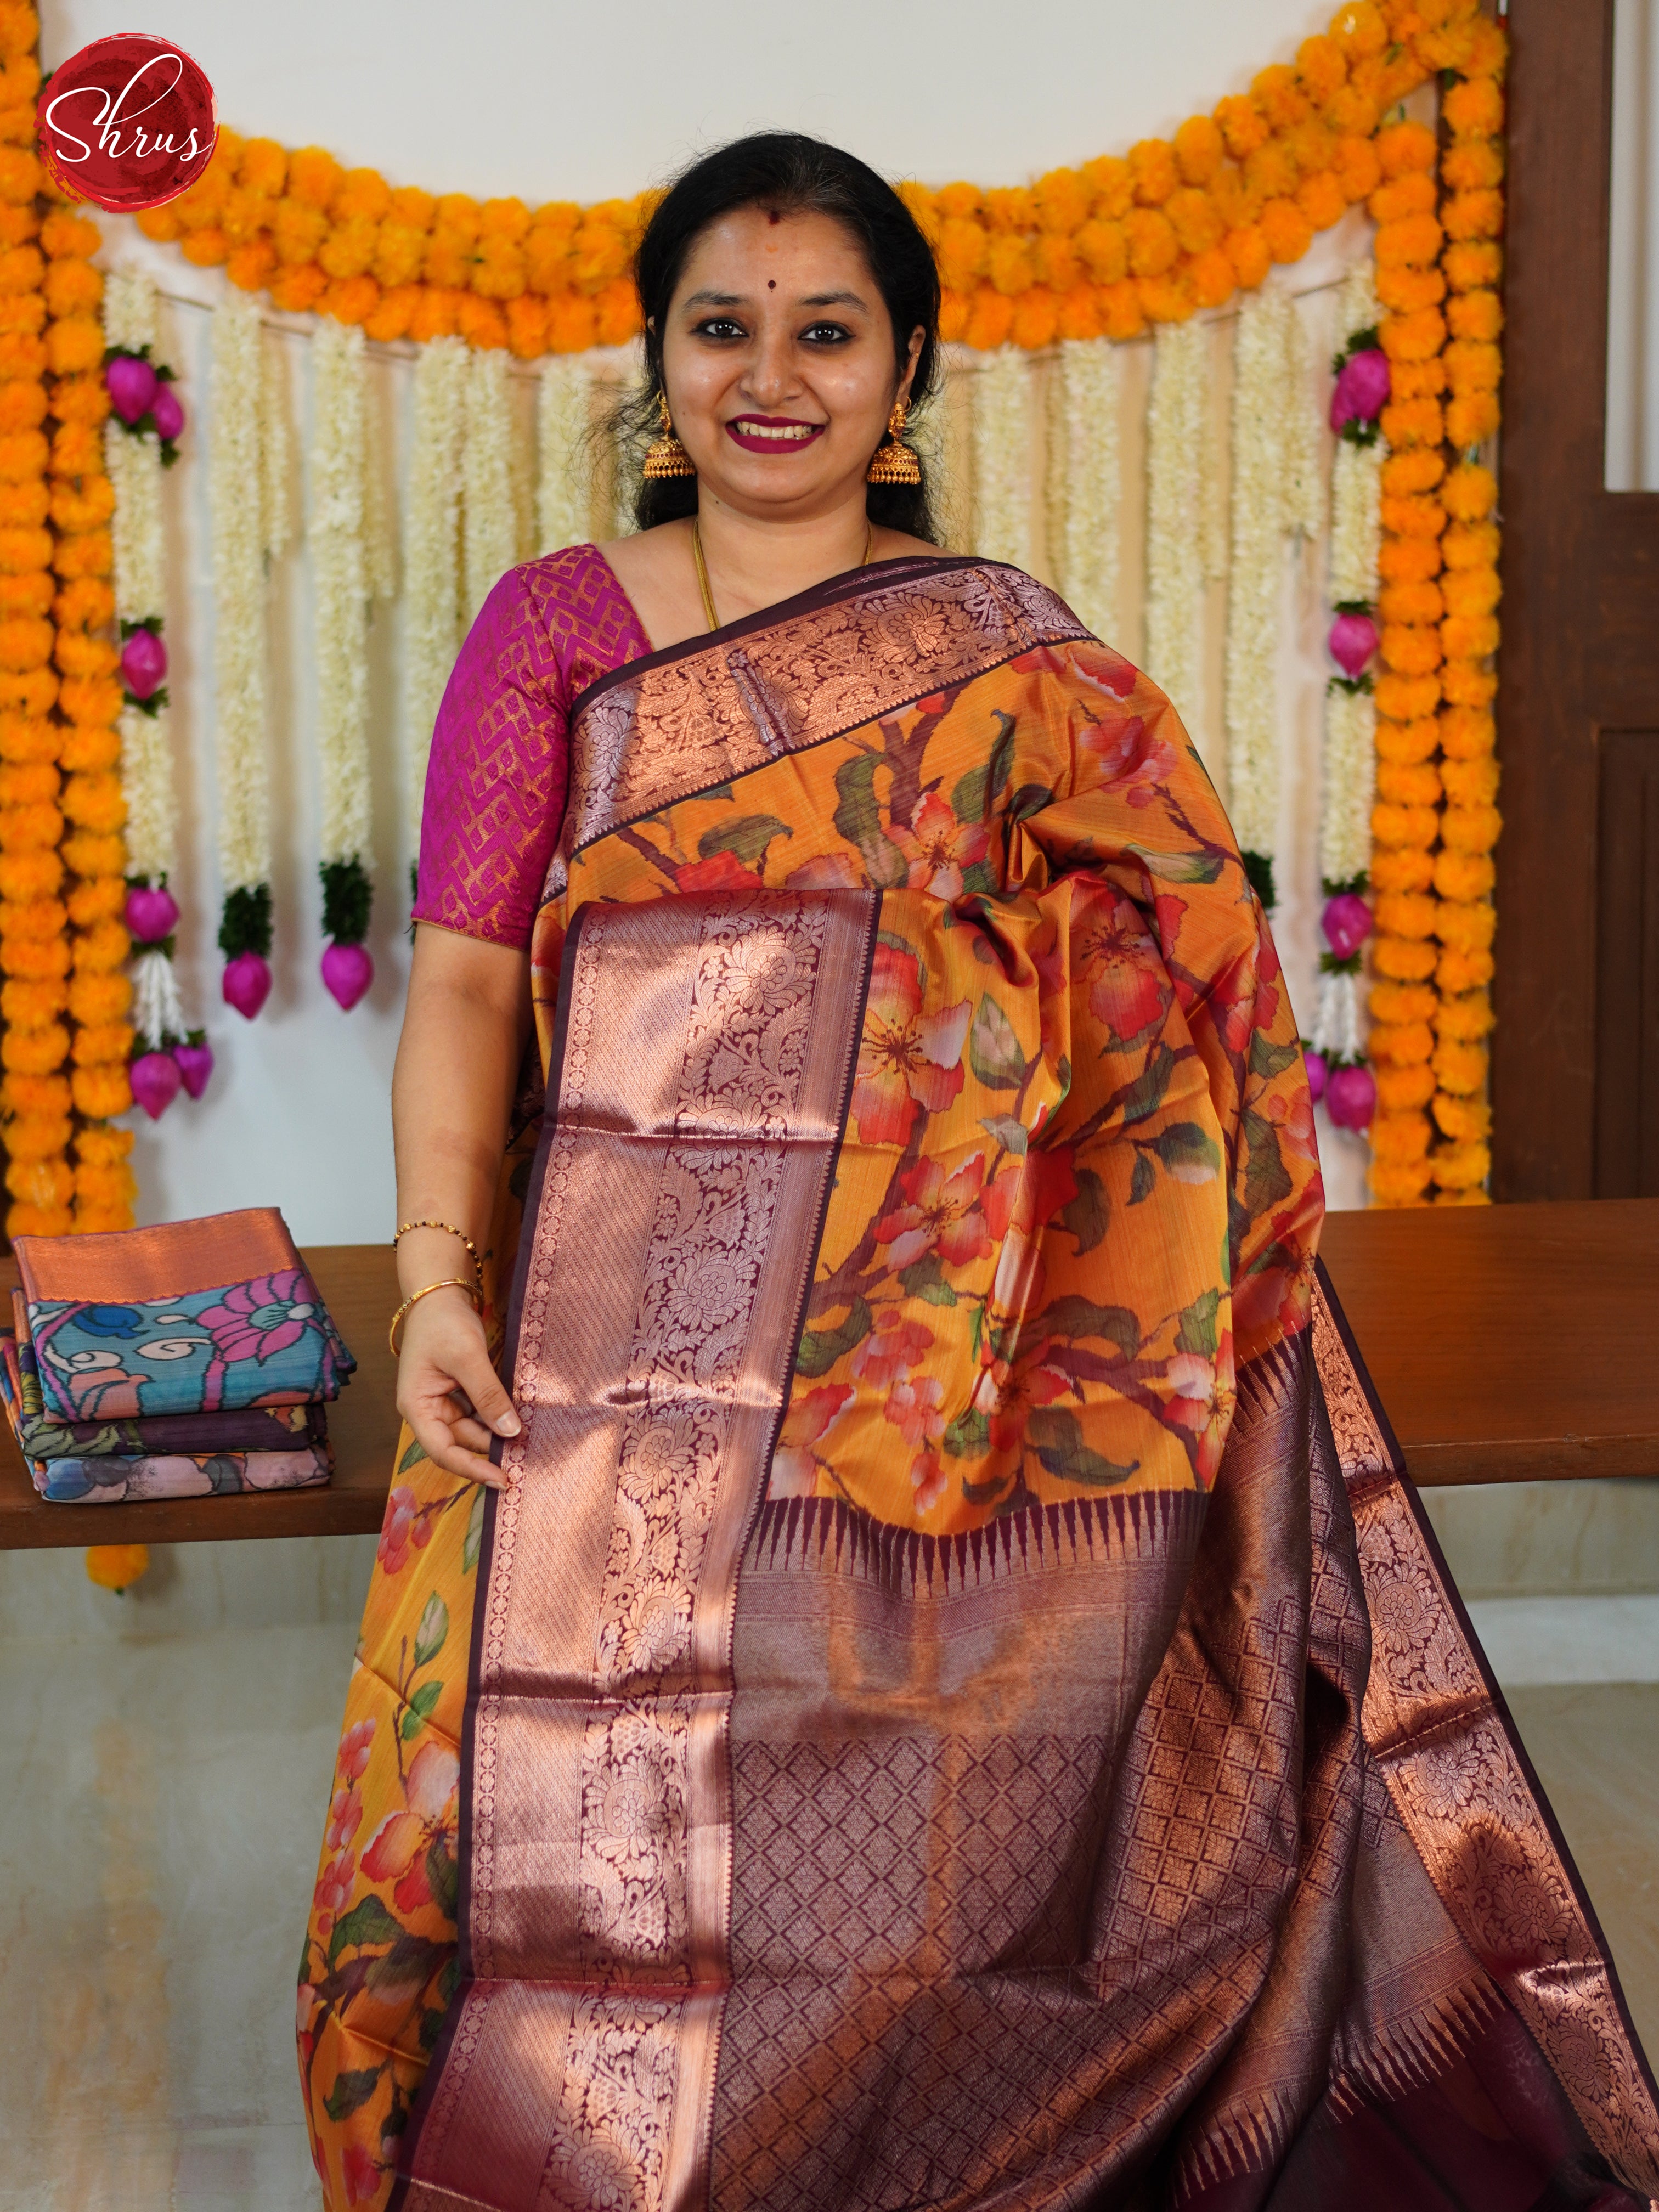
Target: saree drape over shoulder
(958, 1705)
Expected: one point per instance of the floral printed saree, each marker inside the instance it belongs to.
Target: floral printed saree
(959, 1704)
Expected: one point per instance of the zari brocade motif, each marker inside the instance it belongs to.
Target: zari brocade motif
(933, 1735)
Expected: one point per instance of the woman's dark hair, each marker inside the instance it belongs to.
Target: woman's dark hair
(795, 175)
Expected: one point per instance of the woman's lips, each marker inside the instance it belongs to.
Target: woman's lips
(772, 433)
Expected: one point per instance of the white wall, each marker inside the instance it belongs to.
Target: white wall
(297, 1114)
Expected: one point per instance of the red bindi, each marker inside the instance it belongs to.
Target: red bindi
(773, 215)
(771, 284)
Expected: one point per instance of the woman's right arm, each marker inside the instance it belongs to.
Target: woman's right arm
(465, 1025)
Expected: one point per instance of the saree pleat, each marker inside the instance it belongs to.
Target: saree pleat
(961, 1707)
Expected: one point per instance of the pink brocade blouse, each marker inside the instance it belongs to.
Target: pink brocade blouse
(499, 768)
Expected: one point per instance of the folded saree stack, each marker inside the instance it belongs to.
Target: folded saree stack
(173, 1362)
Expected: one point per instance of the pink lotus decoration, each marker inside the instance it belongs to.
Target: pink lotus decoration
(155, 1078)
(1363, 385)
(1352, 640)
(132, 384)
(1318, 1074)
(168, 412)
(247, 983)
(195, 1065)
(144, 663)
(1351, 1097)
(347, 971)
(1347, 922)
(152, 913)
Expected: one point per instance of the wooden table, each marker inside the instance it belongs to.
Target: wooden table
(1510, 1344)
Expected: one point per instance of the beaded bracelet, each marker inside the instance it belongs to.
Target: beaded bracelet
(449, 1283)
(449, 1228)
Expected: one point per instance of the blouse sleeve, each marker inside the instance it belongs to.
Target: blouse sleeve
(496, 777)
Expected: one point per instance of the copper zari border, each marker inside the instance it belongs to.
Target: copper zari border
(708, 1054)
(1435, 1721)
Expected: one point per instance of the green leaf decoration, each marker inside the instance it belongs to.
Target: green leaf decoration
(1178, 867)
(407, 1966)
(1089, 1212)
(444, 1877)
(449, 1980)
(1054, 1434)
(968, 1436)
(1188, 1151)
(820, 1348)
(431, 1629)
(1064, 1071)
(420, 1706)
(1268, 1060)
(1266, 1177)
(977, 879)
(857, 816)
(977, 793)
(352, 2090)
(432, 2021)
(367, 1921)
(1197, 1331)
(474, 1539)
(747, 837)
(993, 1050)
(1141, 1182)
(925, 1278)
(1009, 1133)
(1031, 798)
(982, 1493)
(411, 1458)
(1145, 1094)
(1077, 1317)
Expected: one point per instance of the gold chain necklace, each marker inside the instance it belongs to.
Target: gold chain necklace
(713, 619)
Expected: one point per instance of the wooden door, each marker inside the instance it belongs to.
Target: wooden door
(1575, 1057)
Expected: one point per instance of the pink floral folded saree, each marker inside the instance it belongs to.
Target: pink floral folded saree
(959, 1706)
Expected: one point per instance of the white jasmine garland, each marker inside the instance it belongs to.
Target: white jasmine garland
(1264, 444)
(564, 414)
(1085, 479)
(158, 1013)
(238, 609)
(339, 430)
(490, 523)
(276, 447)
(930, 433)
(1002, 457)
(1356, 471)
(1175, 535)
(432, 577)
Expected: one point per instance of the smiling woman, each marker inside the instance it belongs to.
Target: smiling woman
(891, 1719)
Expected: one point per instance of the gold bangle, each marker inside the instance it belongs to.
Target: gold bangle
(449, 1283)
(450, 1230)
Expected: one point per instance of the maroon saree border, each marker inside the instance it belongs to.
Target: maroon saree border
(1495, 1853)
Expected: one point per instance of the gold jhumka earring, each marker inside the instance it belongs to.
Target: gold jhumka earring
(665, 456)
(895, 462)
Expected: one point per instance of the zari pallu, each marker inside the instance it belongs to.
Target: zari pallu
(958, 1705)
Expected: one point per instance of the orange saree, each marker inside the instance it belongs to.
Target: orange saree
(957, 1705)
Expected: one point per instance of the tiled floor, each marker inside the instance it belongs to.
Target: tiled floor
(161, 1779)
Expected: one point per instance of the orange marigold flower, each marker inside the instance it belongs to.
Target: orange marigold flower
(24, 552)
(1476, 314)
(1398, 1089)
(24, 738)
(73, 287)
(1489, 49)
(1111, 186)
(1358, 29)
(1352, 111)
(1404, 147)
(96, 700)
(86, 747)
(27, 876)
(1037, 318)
(1471, 417)
(1270, 172)
(1408, 783)
(1355, 167)
(297, 290)
(1233, 202)
(80, 399)
(208, 248)
(1153, 244)
(1414, 336)
(1057, 263)
(1470, 492)
(1473, 365)
(22, 456)
(1403, 1044)
(297, 232)
(1410, 240)
(1194, 215)
(313, 177)
(81, 510)
(1409, 741)
(1412, 194)
(1460, 1068)
(952, 317)
(27, 594)
(1213, 278)
(251, 267)
(1463, 971)
(572, 324)
(21, 354)
(1280, 98)
(349, 248)
(1286, 230)
(1121, 314)
(393, 313)
(1321, 67)
(1079, 312)
(481, 323)
(38, 1137)
(950, 200)
(361, 194)
(351, 300)
(1321, 199)
(1153, 166)
(1412, 826)
(1063, 201)
(74, 345)
(97, 901)
(20, 177)
(1472, 828)
(1399, 1138)
(990, 319)
(399, 251)
(1463, 877)
(262, 167)
(1008, 264)
(1474, 166)
(1399, 1186)
(27, 783)
(1471, 545)
(98, 1000)
(1478, 215)
(1411, 603)
(526, 327)
(963, 244)
(1418, 468)
(22, 268)
(1462, 1167)
(1473, 110)
(1469, 925)
(1471, 591)
(1242, 125)
(1009, 209)
(1468, 637)
(78, 655)
(1105, 251)
(1199, 148)
(31, 691)
(22, 405)
(1407, 698)
(1473, 265)
(34, 1051)
(1410, 652)
(1403, 959)
(1415, 517)
(1465, 684)
(1408, 560)
(1166, 299)
(1410, 869)
(1471, 782)
(101, 1092)
(1404, 290)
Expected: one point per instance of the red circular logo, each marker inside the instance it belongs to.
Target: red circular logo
(127, 123)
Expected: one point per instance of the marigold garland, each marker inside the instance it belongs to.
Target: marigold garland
(1435, 822)
(63, 998)
(1101, 250)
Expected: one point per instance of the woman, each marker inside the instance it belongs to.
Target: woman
(879, 1714)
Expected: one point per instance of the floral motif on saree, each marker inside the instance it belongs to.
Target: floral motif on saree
(919, 1742)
